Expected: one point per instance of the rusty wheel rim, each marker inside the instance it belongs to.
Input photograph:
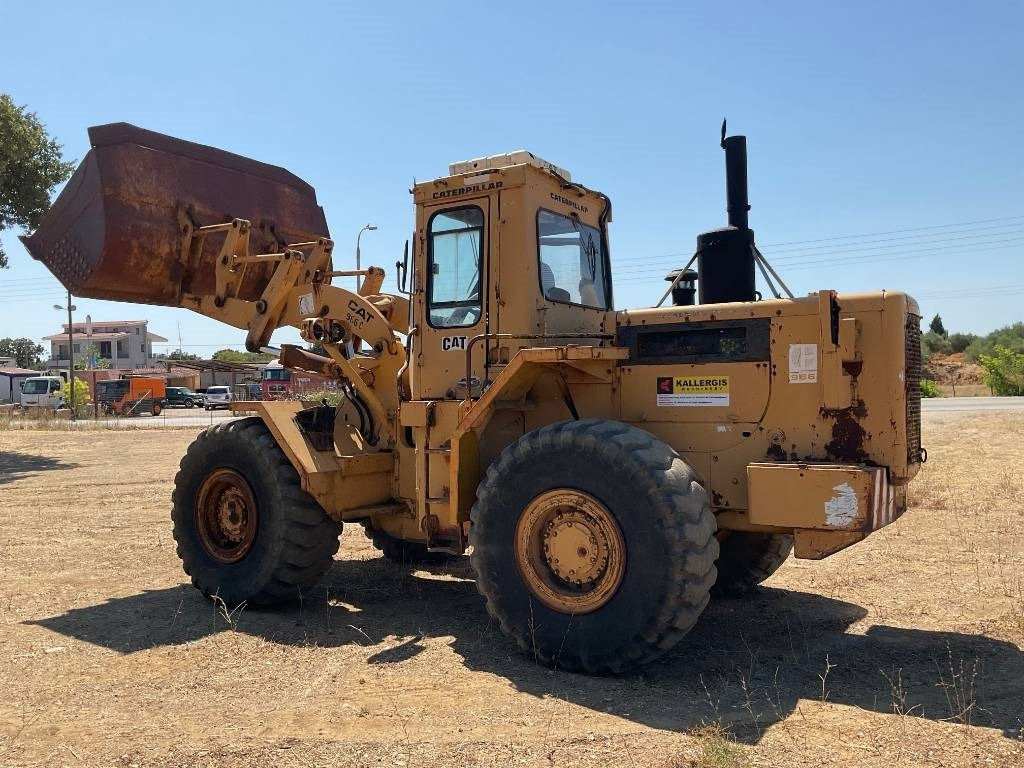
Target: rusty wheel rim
(570, 551)
(226, 516)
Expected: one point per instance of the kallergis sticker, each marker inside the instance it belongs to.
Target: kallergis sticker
(693, 391)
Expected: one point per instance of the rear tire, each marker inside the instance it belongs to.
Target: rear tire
(246, 531)
(593, 544)
(746, 559)
(405, 552)
(156, 409)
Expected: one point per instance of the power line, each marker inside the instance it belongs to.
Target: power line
(858, 247)
(972, 293)
(895, 231)
(870, 245)
(648, 272)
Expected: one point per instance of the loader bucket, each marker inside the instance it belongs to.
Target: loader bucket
(116, 231)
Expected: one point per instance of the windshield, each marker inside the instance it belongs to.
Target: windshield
(37, 386)
(111, 390)
(572, 261)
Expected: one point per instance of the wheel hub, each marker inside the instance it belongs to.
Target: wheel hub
(570, 551)
(226, 515)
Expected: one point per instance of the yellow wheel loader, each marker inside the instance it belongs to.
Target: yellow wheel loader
(610, 470)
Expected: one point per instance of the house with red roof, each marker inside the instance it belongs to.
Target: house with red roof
(124, 344)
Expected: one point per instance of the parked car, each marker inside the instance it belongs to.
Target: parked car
(184, 397)
(217, 397)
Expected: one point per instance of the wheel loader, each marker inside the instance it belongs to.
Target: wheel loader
(609, 471)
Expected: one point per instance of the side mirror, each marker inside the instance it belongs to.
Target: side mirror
(21, 385)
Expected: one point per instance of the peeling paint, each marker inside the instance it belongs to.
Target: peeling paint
(841, 509)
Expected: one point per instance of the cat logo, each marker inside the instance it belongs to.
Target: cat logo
(356, 316)
(358, 311)
(449, 343)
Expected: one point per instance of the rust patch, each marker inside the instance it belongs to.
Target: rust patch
(717, 500)
(858, 409)
(776, 451)
(847, 436)
(116, 231)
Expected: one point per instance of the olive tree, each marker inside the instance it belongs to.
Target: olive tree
(30, 167)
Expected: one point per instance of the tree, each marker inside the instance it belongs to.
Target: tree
(935, 326)
(30, 167)
(1010, 337)
(26, 353)
(1004, 371)
(234, 356)
(961, 341)
(82, 398)
(933, 343)
(89, 359)
(179, 355)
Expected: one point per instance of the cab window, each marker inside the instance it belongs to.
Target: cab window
(454, 295)
(573, 264)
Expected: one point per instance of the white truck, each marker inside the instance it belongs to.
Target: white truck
(42, 392)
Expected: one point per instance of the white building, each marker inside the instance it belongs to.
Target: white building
(11, 379)
(125, 344)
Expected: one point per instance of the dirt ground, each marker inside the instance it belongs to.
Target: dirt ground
(905, 650)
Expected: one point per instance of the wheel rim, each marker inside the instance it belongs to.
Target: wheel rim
(226, 516)
(570, 551)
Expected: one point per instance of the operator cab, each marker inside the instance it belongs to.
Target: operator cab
(512, 253)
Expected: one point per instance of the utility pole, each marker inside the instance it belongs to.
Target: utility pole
(71, 355)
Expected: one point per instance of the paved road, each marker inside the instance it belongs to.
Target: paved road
(971, 404)
(171, 417)
(194, 417)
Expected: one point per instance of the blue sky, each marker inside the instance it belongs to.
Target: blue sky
(884, 138)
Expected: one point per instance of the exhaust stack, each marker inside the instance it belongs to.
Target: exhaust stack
(725, 257)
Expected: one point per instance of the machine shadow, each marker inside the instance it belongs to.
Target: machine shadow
(16, 466)
(746, 665)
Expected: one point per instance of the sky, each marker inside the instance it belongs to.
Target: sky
(883, 138)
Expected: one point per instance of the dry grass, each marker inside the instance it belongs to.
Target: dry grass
(964, 390)
(903, 650)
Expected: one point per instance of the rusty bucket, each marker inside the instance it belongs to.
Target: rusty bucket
(117, 230)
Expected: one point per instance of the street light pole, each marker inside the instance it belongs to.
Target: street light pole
(71, 355)
(359, 278)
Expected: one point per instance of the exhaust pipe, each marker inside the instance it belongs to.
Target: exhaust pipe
(725, 257)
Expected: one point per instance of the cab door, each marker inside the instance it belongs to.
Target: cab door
(452, 297)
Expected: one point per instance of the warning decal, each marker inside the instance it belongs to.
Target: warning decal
(693, 391)
(803, 363)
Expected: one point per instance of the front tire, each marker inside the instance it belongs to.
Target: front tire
(189, 404)
(246, 531)
(593, 544)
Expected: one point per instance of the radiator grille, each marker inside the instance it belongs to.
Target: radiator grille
(912, 374)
